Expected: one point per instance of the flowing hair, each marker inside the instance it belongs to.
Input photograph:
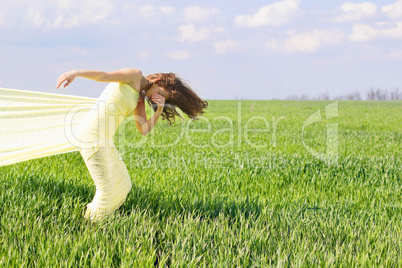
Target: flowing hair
(181, 96)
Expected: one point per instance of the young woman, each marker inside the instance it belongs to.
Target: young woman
(124, 96)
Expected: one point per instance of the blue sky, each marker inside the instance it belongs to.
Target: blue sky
(225, 49)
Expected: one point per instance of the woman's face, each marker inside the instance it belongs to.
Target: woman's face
(158, 90)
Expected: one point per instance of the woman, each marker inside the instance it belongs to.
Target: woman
(164, 92)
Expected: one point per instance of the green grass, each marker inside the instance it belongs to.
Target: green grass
(203, 195)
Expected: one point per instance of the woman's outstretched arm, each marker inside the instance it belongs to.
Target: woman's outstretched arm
(126, 75)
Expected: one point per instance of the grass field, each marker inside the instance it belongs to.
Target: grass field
(238, 188)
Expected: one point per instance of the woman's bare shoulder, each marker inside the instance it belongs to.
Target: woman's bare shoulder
(130, 76)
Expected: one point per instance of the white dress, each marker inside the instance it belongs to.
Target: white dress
(39, 124)
(96, 131)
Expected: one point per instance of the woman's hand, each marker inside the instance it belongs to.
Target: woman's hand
(159, 100)
(67, 77)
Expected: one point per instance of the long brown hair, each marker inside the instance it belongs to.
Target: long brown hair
(181, 96)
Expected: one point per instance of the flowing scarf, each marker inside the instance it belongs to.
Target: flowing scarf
(39, 124)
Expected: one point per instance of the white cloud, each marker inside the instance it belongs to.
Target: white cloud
(275, 14)
(306, 42)
(198, 14)
(129, 6)
(217, 29)
(394, 11)
(356, 11)
(35, 16)
(178, 55)
(223, 46)
(396, 54)
(189, 33)
(147, 11)
(3, 12)
(56, 13)
(77, 12)
(166, 9)
(364, 32)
